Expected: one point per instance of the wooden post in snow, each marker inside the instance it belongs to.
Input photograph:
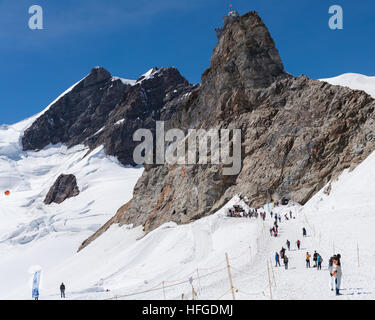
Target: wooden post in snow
(273, 274)
(230, 276)
(269, 280)
(199, 282)
(164, 291)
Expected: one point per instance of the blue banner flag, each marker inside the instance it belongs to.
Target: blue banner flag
(36, 280)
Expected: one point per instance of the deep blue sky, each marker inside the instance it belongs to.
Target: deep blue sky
(130, 37)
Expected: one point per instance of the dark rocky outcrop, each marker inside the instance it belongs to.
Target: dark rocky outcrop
(102, 110)
(64, 188)
(297, 134)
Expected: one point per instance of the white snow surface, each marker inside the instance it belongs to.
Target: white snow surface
(125, 81)
(34, 234)
(354, 81)
(124, 263)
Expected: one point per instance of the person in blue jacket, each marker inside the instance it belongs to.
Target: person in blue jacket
(277, 259)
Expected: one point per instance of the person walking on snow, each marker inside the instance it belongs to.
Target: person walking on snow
(62, 290)
(308, 256)
(337, 273)
(315, 259)
(282, 252)
(319, 260)
(304, 233)
(288, 244)
(277, 259)
(330, 266)
(298, 244)
(286, 260)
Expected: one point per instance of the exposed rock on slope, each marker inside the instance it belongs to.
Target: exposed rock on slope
(64, 188)
(104, 110)
(297, 133)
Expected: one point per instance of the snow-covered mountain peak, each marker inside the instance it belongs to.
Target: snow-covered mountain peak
(354, 81)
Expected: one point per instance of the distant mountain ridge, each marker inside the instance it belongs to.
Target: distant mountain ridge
(106, 110)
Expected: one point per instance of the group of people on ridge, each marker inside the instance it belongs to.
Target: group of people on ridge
(283, 256)
(317, 258)
(334, 265)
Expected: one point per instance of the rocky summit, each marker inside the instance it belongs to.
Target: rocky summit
(298, 134)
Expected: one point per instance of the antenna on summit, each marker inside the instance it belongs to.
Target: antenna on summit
(231, 16)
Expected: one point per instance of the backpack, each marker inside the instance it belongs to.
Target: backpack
(330, 263)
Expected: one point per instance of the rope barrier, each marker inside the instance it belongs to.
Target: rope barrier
(161, 288)
(224, 294)
(251, 294)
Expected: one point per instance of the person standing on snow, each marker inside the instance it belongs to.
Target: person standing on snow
(319, 261)
(277, 259)
(282, 252)
(337, 273)
(304, 233)
(315, 259)
(288, 244)
(286, 260)
(308, 256)
(330, 266)
(62, 290)
(298, 244)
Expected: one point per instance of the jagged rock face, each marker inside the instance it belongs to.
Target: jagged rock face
(151, 100)
(64, 188)
(78, 114)
(102, 110)
(256, 62)
(297, 133)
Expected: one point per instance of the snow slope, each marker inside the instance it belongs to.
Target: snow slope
(135, 266)
(32, 233)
